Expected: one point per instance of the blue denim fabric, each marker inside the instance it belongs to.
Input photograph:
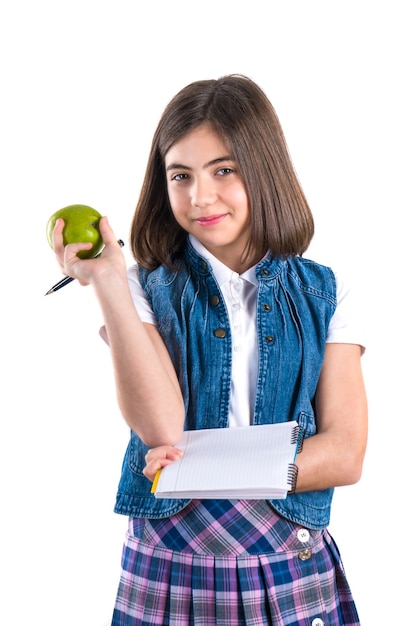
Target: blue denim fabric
(296, 301)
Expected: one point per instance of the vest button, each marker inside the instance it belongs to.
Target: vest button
(203, 265)
(220, 333)
(269, 339)
(304, 555)
(267, 307)
(265, 272)
(215, 300)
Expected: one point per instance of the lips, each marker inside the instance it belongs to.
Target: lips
(210, 220)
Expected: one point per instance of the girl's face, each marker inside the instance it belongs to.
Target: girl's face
(207, 195)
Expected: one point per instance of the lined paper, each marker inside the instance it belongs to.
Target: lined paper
(246, 462)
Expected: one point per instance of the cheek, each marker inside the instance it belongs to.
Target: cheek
(173, 202)
(176, 197)
(241, 200)
(178, 208)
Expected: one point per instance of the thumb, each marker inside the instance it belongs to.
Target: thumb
(107, 232)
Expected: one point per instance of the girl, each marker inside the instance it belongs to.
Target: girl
(223, 323)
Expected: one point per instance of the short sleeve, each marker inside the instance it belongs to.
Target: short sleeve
(140, 300)
(346, 325)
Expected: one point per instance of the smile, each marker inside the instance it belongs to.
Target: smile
(211, 220)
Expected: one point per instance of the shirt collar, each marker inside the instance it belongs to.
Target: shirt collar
(222, 273)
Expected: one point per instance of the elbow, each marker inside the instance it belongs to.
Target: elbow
(160, 426)
(163, 438)
(353, 476)
(155, 433)
(353, 467)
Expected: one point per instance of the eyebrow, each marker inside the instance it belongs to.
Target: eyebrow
(179, 166)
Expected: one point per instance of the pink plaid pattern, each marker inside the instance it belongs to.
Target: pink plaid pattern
(221, 563)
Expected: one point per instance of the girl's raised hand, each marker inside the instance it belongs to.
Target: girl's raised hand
(88, 270)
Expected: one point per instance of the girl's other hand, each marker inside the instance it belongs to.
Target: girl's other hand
(160, 457)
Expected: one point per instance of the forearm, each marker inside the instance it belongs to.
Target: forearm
(327, 461)
(148, 392)
(147, 387)
(335, 455)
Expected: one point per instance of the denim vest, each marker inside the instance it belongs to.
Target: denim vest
(296, 301)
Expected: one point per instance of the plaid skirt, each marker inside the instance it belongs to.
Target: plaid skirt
(231, 563)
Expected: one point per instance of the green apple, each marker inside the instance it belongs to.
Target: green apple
(81, 226)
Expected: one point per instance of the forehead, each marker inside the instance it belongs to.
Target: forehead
(200, 141)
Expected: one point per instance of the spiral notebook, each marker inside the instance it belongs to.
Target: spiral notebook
(248, 462)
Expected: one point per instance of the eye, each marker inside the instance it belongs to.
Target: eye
(224, 171)
(179, 177)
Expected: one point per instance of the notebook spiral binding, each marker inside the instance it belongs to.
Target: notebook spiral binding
(298, 438)
(292, 477)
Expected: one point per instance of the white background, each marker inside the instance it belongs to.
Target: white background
(83, 84)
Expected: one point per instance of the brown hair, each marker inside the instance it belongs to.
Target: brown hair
(240, 112)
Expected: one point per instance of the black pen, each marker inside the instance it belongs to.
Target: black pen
(68, 279)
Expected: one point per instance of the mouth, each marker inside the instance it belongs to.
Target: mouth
(210, 220)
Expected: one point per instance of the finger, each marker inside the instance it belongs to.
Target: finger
(158, 458)
(163, 452)
(156, 453)
(173, 454)
(57, 238)
(151, 468)
(107, 232)
(71, 251)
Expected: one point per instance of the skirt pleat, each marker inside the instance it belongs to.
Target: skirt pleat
(203, 590)
(208, 566)
(253, 589)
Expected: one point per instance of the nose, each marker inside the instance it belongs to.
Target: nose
(202, 193)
